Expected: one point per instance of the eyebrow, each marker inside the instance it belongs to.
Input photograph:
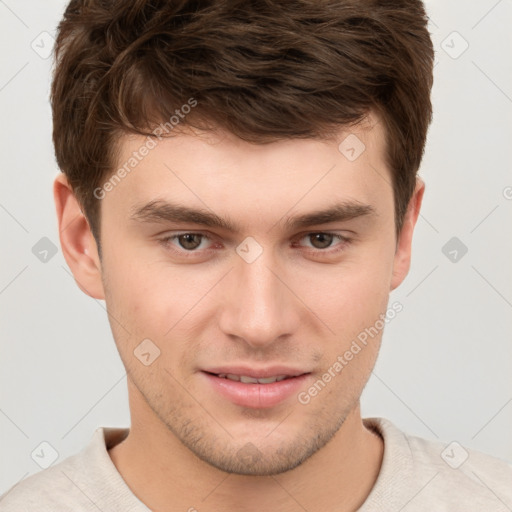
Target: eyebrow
(159, 211)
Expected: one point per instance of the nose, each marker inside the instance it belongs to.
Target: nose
(259, 305)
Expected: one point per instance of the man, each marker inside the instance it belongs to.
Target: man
(240, 186)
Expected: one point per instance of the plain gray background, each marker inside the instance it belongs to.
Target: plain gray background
(444, 370)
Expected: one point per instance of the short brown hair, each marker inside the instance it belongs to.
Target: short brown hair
(263, 69)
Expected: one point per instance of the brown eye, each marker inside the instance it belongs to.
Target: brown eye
(188, 245)
(189, 241)
(321, 240)
(324, 243)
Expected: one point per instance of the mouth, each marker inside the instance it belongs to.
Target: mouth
(245, 379)
(256, 389)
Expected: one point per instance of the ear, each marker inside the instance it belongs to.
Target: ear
(76, 239)
(402, 260)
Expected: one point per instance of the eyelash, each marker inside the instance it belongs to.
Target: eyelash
(344, 241)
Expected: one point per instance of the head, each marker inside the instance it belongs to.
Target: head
(255, 115)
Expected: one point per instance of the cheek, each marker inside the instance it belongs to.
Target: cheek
(157, 300)
(351, 295)
(160, 301)
(136, 299)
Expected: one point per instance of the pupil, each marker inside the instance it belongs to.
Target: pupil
(324, 238)
(186, 243)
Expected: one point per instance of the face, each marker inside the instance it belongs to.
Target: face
(262, 289)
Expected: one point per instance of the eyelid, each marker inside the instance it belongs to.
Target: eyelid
(343, 241)
(167, 241)
(333, 249)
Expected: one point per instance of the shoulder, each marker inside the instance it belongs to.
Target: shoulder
(48, 490)
(445, 476)
(84, 481)
(462, 470)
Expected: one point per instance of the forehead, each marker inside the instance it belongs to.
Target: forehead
(219, 172)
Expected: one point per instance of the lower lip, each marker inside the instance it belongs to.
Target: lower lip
(256, 396)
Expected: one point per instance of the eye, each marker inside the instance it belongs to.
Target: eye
(189, 242)
(322, 241)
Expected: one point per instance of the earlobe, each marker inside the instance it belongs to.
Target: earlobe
(402, 260)
(76, 239)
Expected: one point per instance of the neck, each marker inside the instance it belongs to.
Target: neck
(166, 476)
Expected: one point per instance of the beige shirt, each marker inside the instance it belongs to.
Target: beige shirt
(417, 475)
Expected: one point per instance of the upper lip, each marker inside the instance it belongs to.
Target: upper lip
(257, 373)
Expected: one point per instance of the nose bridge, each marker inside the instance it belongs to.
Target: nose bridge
(258, 307)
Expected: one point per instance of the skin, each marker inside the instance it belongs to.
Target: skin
(293, 305)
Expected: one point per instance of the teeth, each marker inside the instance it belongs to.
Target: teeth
(248, 380)
(251, 380)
